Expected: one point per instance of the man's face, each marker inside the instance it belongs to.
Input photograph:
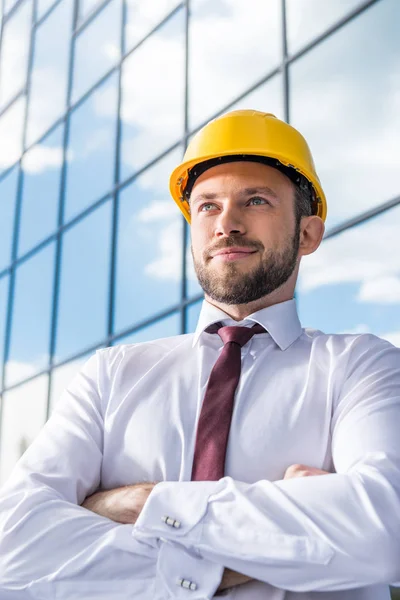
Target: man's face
(245, 240)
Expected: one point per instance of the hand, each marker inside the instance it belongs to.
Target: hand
(303, 471)
(122, 505)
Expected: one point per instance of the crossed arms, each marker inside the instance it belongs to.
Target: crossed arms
(301, 533)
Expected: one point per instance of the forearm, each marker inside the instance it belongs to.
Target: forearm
(45, 540)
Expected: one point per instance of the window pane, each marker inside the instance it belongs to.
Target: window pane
(90, 173)
(307, 19)
(345, 102)
(192, 316)
(142, 17)
(232, 46)
(41, 190)
(153, 96)
(11, 124)
(14, 53)
(31, 321)
(42, 7)
(84, 285)
(352, 282)
(8, 196)
(149, 246)
(86, 7)
(3, 316)
(97, 48)
(24, 414)
(267, 98)
(161, 329)
(61, 377)
(50, 71)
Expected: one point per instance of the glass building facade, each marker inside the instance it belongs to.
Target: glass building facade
(97, 103)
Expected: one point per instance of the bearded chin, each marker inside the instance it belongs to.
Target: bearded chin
(235, 287)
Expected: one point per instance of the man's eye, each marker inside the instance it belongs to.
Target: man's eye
(206, 207)
(258, 200)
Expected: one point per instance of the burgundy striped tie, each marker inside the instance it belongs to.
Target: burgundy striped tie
(216, 411)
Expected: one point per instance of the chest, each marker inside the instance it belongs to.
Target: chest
(280, 417)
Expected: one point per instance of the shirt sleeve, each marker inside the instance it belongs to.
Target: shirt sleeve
(320, 533)
(49, 545)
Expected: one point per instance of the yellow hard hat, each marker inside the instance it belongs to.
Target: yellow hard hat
(242, 135)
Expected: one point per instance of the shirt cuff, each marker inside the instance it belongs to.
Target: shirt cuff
(173, 510)
(184, 575)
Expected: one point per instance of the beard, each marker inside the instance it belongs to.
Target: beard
(231, 286)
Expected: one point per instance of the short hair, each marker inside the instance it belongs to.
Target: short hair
(303, 198)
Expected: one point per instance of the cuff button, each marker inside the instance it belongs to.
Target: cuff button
(188, 585)
(171, 522)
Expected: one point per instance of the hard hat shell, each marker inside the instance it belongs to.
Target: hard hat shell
(247, 132)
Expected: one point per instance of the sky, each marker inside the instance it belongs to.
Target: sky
(344, 98)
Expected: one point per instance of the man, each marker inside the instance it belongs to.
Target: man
(234, 422)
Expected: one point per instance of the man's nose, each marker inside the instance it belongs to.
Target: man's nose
(229, 221)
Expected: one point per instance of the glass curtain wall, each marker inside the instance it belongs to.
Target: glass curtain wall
(97, 103)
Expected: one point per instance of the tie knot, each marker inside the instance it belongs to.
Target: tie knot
(239, 335)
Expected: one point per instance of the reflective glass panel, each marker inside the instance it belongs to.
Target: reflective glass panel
(48, 93)
(149, 251)
(61, 377)
(267, 98)
(192, 316)
(232, 46)
(90, 171)
(14, 53)
(152, 108)
(41, 190)
(8, 196)
(97, 48)
(307, 19)
(3, 316)
(142, 17)
(8, 5)
(86, 7)
(161, 329)
(24, 414)
(345, 101)
(352, 282)
(31, 319)
(84, 285)
(42, 7)
(11, 124)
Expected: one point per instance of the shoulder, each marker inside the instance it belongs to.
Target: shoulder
(145, 352)
(352, 351)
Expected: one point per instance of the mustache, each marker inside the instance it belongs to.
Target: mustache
(233, 241)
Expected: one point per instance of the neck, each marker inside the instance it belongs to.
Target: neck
(238, 312)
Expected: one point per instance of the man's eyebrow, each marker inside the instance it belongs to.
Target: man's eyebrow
(260, 190)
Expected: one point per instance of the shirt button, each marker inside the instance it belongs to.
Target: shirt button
(188, 585)
(171, 522)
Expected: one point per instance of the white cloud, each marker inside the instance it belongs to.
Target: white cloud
(382, 290)
(24, 414)
(11, 125)
(159, 210)
(14, 54)
(368, 255)
(41, 157)
(169, 261)
(393, 337)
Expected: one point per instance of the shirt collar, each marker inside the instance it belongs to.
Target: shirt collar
(280, 320)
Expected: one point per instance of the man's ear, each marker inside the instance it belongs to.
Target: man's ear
(311, 233)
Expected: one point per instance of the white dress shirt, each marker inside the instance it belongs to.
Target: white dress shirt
(130, 415)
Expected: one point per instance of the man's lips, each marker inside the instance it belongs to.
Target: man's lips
(233, 253)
